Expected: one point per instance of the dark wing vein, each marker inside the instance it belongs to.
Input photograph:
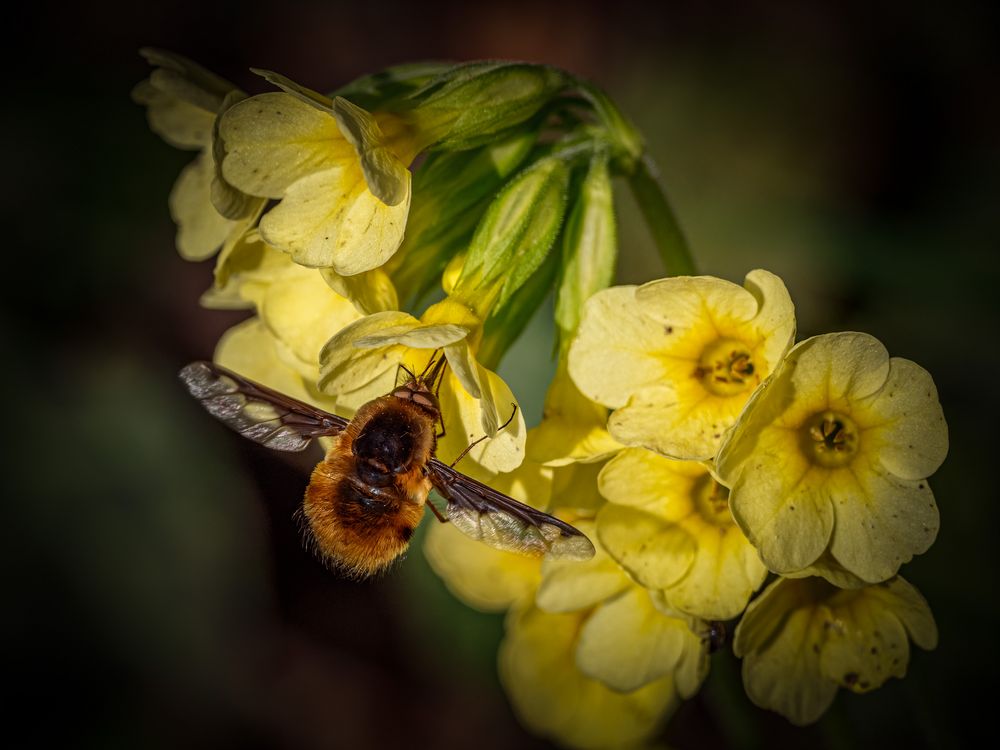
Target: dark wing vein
(256, 411)
(501, 521)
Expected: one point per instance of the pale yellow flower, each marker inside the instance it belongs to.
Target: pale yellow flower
(340, 172)
(553, 698)
(678, 358)
(362, 362)
(297, 312)
(802, 639)
(183, 102)
(828, 464)
(668, 524)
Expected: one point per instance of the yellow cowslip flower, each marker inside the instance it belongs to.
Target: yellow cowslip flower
(341, 174)
(801, 639)
(629, 637)
(297, 312)
(678, 358)
(668, 524)
(553, 698)
(183, 102)
(828, 464)
(596, 661)
(361, 362)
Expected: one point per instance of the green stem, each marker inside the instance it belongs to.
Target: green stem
(660, 218)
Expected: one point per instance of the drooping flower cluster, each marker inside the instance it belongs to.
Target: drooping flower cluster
(685, 432)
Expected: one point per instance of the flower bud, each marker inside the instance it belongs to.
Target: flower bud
(451, 191)
(515, 235)
(471, 104)
(590, 246)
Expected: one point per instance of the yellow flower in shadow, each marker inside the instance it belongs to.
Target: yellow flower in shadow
(668, 524)
(183, 102)
(802, 639)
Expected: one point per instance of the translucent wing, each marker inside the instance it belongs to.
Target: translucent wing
(502, 522)
(256, 411)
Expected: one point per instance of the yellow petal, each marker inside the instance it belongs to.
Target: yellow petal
(304, 313)
(760, 313)
(387, 177)
(356, 376)
(180, 123)
(910, 607)
(881, 521)
(656, 553)
(415, 336)
(300, 92)
(725, 572)
(330, 218)
(866, 645)
(574, 487)
(573, 427)
(612, 331)
(274, 139)
(243, 270)
(485, 578)
(553, 698)
(785, 676)
(250, 350)
(782, 504)
(464, 423)
(200, 228)
(661, 419)
(909, 434)
(370, 292)
(642, 479)
(569, 586)
(627, 643)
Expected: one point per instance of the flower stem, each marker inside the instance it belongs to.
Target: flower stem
(660, 218)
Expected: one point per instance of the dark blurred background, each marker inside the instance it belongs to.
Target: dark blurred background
(157, 594)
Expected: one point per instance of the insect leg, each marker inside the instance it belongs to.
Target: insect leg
(473, 444)
(436, 512)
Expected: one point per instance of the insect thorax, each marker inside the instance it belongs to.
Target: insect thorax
(391, 439)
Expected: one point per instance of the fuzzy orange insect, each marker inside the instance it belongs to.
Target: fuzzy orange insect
(369, 493)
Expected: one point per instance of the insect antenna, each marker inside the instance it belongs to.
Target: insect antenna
(432, 380)
(405, 369)
(474, 443)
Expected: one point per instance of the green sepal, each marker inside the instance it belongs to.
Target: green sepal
(515, 234)
(589, 246)
(472, 103)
